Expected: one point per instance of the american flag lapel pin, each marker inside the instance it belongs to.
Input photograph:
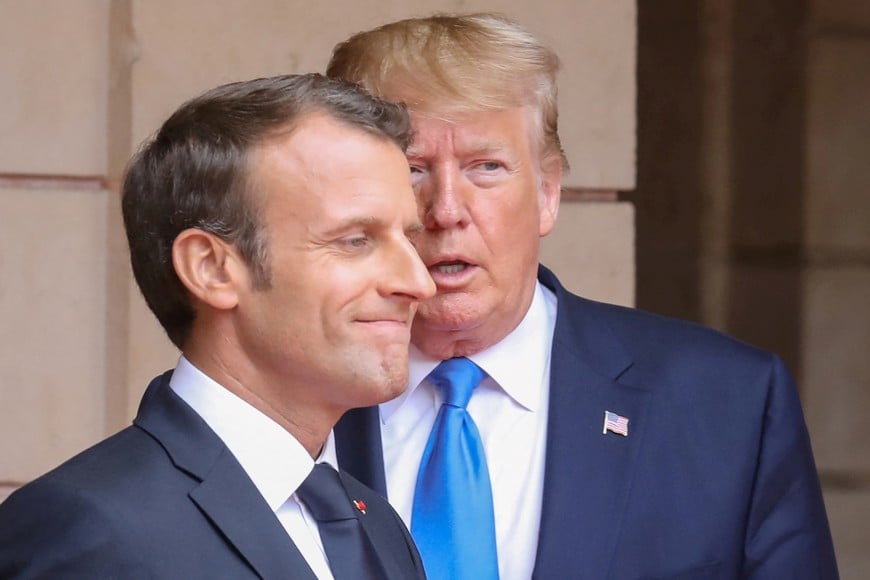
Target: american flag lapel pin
(615, 424)
(360, 505)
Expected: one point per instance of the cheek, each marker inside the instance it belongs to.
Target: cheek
(338, 293)
(346, 280)
(523, 216)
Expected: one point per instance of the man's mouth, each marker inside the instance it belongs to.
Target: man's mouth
(449, 267)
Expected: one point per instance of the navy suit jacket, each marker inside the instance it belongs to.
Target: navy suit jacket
(163, 499)
(715, 479)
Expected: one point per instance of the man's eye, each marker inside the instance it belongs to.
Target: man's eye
(490, 165)
(355, 242)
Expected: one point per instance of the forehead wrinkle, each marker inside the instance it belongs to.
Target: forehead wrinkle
(469, 146)
(455, 133)
(353, 222)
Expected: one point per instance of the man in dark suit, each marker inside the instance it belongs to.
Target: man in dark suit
(267, 223)
(618, 444)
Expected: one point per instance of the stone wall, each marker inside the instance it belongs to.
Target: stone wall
(83, 82)
(753, 213)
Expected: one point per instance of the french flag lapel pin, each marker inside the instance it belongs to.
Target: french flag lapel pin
(360, 505)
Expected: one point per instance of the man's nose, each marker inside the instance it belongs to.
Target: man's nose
(406, 274)
(442, 199)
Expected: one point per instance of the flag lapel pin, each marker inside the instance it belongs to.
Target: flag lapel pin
(360, 505)
(615, 424)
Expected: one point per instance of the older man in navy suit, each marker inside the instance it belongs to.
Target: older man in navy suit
(268, 224)
(603, 442)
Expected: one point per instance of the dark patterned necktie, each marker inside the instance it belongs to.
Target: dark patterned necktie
(348, 550)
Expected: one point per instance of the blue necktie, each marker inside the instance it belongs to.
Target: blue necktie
(452, 520)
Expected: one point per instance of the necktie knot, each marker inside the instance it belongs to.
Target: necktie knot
(457, 378)
(325, 495)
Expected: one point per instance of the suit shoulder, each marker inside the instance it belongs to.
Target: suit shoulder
(92, 479)
(642, 334)
(666, 353)
(647, 334)
(126, 451)
(64, 521)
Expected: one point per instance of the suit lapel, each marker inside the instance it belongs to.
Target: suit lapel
(225, 494)
(588, 475)
(232, 503)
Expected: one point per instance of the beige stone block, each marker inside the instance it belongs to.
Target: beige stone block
(592, 250)
(849, 516)
(5, 490)
(52, 304)
(188, 47)
(838, 137)
(836, 368)
(53, 86)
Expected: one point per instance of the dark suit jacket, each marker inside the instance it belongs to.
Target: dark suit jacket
(165, 498)
(715, 479)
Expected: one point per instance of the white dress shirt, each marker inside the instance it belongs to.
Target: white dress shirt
(510, 410)
(274, 460)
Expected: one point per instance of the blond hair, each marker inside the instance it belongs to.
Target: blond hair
(454, 64)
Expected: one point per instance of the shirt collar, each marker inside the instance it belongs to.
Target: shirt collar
(276, 462)
(517, 363)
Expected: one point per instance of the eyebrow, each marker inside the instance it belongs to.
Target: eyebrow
(483, 147)
(356, 222)
(415, 228)
(369, 221)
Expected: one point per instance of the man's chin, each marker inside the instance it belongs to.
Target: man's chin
(445, 334)
(452, 312)
(394, 383)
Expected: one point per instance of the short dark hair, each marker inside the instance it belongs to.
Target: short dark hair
(194, 173)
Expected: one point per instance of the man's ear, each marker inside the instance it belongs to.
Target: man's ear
(209, 268)
(550, 193)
